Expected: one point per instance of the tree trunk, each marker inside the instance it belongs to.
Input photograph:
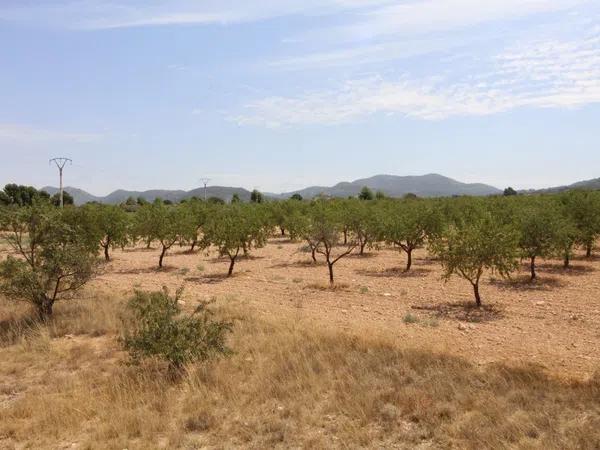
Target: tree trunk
(363, 244)
(282, 231)
(532, 267)
(476, 292)
(409, 260)
(162, 255)
(193, 245)
(567, 261)
(588, 250)
(148, 242)
(45, 308)
(330, 265)
(313, 254)
(106, 255)
(345, 236)
(231, 264)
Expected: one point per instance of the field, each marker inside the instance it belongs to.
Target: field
(383, 359)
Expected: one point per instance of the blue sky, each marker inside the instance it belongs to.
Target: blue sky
(281, 94)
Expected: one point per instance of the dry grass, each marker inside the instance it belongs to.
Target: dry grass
(288, 385)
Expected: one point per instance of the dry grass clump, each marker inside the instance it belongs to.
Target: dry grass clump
(287, 385)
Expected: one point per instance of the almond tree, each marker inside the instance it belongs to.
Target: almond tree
(112, 224)
(467, 249)
(234, 230)
(326, 229)
(55, 258)
(407, 224)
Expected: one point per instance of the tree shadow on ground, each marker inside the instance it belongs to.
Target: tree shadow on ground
(134, 271)
(139, 250)
(594, 257)
(365, 255)
(572, 270)
(212, 278)
(395, 272)
(525, 283)
(465, 311)
(301, 263)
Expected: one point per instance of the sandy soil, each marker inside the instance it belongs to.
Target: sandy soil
(552, 322)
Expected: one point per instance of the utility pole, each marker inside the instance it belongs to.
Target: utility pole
(205, 182)
(61, 163)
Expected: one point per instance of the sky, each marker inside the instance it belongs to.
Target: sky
(282, 94)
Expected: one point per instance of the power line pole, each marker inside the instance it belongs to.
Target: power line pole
(61, 163)
(205, 182)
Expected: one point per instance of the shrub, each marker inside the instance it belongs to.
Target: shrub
(156, 327)
(56, 257)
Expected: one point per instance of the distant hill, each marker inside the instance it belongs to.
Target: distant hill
(431, 185)
(81, 197)
(593, 184)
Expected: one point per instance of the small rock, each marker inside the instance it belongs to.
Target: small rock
(540, 303)
(69, 336)
(181, 302)
(462, 327)
(387, 294)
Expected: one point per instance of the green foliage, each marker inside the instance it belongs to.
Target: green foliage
(56, 256)
(509, 191)
(468, 248)
(407, 224)
(366, 194)
(157, 328)
(236, 228)
(539, 225)
(361, 220)
(325, 231)
(297, 197)
(67, 199)
(19, 195)
(256, 196)
(215, 201)
(235, 198)
(583, 208)
(164, 223)
(112, 225)
(380, 195)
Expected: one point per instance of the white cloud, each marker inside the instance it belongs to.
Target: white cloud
(538, 74)
(28, 135)
(104, 14)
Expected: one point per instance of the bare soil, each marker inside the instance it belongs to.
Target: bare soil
(551, 322)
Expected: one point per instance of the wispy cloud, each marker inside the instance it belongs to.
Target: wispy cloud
(31, 135)
(105, 14)
(538, 74)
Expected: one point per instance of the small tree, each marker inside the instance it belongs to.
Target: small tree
(360, 219)
(235, 198)
(509, 191)
(407, 224)
(161, 222)
(326, 229)
(112, 223)
(366, 194)
(256, 196)
(55, 258)
(584, 209)
(469, 248)
(156, 327)
(297, 197)
(539, 228)
(234, 229)
(67, 199)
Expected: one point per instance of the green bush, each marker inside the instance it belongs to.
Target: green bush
(156, 327)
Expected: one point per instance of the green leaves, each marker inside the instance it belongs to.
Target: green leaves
(156, 327)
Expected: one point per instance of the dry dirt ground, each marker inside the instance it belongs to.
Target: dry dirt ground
(385, 360)
(553, 322)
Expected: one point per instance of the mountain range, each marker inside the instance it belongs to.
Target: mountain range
(431, 185)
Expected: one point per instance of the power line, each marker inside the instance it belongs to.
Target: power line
(61, 162)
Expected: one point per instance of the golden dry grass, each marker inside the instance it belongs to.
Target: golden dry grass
(288, 384)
